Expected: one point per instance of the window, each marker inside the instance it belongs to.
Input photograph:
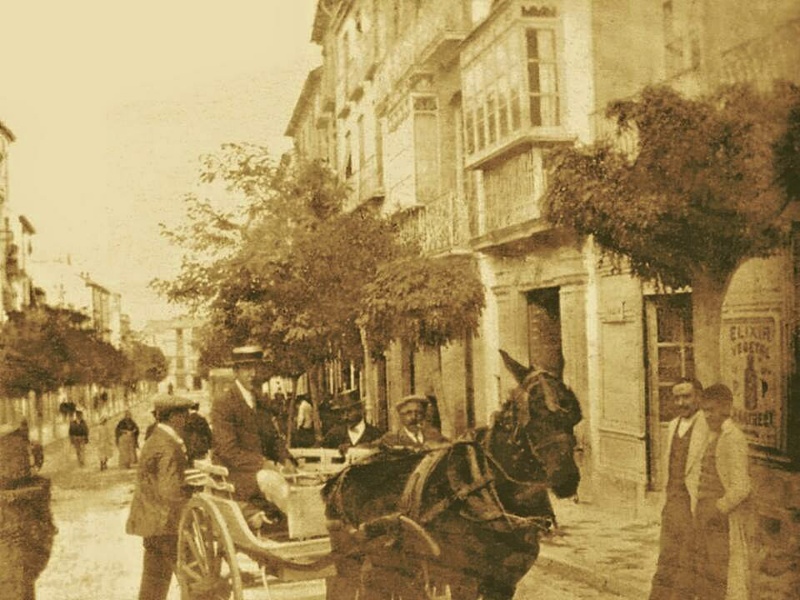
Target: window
(520, 64)
(542, 77)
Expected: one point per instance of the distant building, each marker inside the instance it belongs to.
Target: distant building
(175, 338)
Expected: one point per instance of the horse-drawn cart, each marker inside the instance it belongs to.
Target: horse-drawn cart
(221, 557)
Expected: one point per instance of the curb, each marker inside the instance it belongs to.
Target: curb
(604, 582)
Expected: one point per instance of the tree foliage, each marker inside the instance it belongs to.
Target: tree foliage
(289, 269)
(145, 363)
(704, 190)
(45, 348)
(424, 301)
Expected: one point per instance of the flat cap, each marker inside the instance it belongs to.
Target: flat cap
(413, 398)
(168, 402)
(247, 354)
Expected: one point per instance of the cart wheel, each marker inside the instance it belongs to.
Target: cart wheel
(207, 567)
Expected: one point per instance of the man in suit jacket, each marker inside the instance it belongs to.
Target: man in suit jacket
(414, 431)
(353, 430)
(722, 557)
(688, 435)
(246, 438)
(160, 496)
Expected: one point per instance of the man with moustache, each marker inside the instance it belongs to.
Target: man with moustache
(414, 432)
(688, 435)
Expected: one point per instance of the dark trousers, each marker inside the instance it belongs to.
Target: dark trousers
(160, 559)
(712, 551)
(675, 573)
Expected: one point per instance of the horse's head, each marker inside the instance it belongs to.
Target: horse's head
(536, 423)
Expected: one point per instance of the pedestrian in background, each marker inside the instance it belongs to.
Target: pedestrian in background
(160, 496)
(722, 556)
(688, 435)
(304, 431)
(79, 436)
(127, 438)
(352, 430)
(105, 447)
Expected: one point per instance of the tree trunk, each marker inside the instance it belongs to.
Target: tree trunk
(708, 294)
(315, 391)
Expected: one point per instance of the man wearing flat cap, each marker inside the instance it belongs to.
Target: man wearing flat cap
(246, 438)
(414, 431)
(161, 495)
(352, 430)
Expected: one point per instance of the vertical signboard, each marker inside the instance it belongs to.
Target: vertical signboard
(751, 362)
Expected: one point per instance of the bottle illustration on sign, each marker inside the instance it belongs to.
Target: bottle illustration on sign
(750, 385)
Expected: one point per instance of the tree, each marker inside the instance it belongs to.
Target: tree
(707, 188)
(45, 348)
(289, 269)
(145, 363)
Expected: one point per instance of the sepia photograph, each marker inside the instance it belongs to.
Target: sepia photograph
(400, 300)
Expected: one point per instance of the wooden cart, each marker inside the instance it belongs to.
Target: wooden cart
(219, 555)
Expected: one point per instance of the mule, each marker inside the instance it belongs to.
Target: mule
(476, 507)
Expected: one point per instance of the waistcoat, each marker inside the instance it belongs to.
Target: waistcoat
(679, 454)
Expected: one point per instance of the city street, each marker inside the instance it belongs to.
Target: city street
(93, 558)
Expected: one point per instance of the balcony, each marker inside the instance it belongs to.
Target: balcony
(433, 38)
(366, 184)
(439, 225)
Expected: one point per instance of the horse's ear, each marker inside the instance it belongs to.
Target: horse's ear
(517, 370)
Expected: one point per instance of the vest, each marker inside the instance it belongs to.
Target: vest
(678, 456)
(710, 483)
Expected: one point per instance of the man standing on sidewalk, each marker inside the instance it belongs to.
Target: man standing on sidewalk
(688, 436)
(79, 436)
(161, 495)
(724, 485)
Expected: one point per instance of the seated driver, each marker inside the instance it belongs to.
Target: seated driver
(246, 438)
(414, 431)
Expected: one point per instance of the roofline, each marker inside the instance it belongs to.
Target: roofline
(309, 87)
(7, 132)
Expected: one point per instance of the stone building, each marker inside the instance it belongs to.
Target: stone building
(175, 338)
(442, 113)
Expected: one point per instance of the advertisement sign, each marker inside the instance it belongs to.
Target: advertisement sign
(751, 362)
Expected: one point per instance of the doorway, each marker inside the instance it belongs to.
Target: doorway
(670, 357)
(544, 330)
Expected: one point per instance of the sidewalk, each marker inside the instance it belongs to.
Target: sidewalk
(601, 549)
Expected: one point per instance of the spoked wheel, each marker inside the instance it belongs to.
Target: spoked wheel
(207, 567)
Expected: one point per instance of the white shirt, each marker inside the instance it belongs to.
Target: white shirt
(304, 417)
(248, 395)
(355, 432)
(417, 437)
(684, 424)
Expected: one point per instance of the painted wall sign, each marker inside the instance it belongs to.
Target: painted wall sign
(751, 362)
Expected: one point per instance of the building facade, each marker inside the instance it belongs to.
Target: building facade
(442, 114)
(175, 338)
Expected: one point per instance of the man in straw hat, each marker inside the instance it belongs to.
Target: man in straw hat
(414, 431)
(161, 495)
(246, 438)
(352, 430)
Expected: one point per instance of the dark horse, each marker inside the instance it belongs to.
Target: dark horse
(468, 515)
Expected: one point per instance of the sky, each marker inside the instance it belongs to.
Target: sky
(112, 103)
